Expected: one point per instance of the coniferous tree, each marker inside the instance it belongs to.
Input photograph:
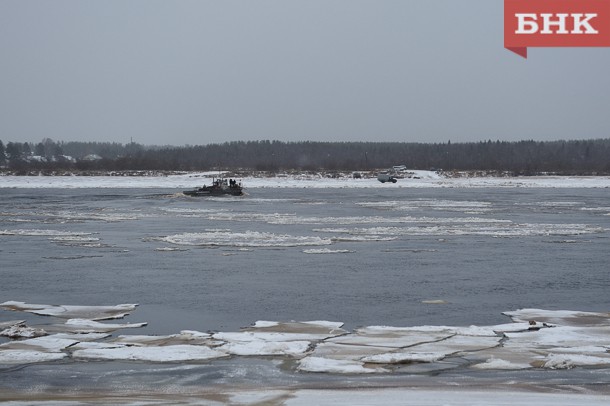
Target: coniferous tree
(2, 154)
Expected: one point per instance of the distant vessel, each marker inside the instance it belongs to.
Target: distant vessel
(219, 187)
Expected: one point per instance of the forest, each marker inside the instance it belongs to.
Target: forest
(572, 157)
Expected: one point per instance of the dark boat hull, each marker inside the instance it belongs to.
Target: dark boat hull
(208, 192)
(219, 187)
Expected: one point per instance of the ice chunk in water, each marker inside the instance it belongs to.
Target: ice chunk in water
(69, 312)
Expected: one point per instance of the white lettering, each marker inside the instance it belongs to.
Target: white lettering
(579, 23)
(525, 26)
(560, 23)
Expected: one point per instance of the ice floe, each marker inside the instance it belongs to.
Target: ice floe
(243, 239)
(535, 339)
(465, 206)
(489, 228)
(168, 353)
(22, 331)
(69, 311)
(184, 337)
(326, 251)
(339, 366)
(92, 326)
(564, 317)
(43, 233)
(10, 323)
(8, 356)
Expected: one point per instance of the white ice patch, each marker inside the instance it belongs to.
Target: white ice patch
(244, 239)
(567, 361)
(74, 238)
(265, 347)
(424, 179)
(188, 212)
(90, 326)
(169, 249)
(326, 251)
(170, 353)
(437, 350)
(106, 216)
(500, 364)
(82, 337)
(499, 229)
(28, 357)
(250, 336)
(392, 337)
(361, 238)
(69, 311)
(42, 233)
(265, 323)
(291, 219)
(539, 340)
(50, 343)
(561, 336)
(22, 331)
(184, 337)
(274, 338)
(401, 357)
(464, 206)
(339, 366)
(563, 317)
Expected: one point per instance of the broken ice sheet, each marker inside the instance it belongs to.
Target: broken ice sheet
(326, 251)
(372, 349)
(279, 338)
(211, 238)
(434, 351)
(22, 331)
(582, 340)
(91, 326)
(561, 317)
(392, 337)
(186, 346)
(40, 349)
(265, 347)
(341, 358)
(347, 353)
(184, 337)
(285, 331)
(70, 312)
(342, 366)
(169, 353)
(9, 356)
(561, 336)
(42, 233)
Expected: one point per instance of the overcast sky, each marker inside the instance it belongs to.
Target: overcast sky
(199, 72)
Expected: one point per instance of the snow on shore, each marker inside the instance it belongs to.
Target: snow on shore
(417, 179)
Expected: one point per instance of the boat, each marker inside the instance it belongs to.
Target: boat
(219, 187)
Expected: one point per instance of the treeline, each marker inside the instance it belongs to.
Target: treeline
(583, 157)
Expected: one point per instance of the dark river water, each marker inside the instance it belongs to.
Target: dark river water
(395, 257)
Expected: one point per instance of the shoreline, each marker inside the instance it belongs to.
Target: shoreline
(417, 179)
(427, 396)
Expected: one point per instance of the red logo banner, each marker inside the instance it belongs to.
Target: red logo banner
(555, 23)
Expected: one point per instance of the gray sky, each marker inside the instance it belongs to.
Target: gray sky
(198, 72)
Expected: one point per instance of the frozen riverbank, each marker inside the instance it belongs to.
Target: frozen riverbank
(417, 179)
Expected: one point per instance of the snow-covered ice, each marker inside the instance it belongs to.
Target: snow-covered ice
(426, 179)
(168, 353)
(69, 311)
(536, 339)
